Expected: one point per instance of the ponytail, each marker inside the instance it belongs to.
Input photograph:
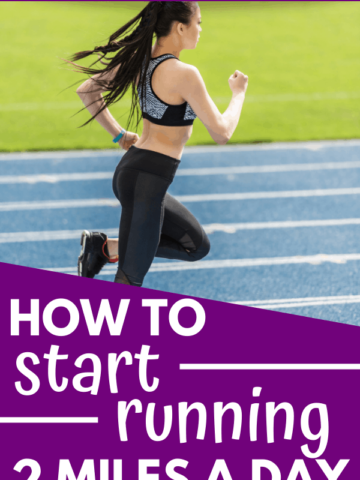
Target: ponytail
(132, 52)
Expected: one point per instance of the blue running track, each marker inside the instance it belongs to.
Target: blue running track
(283, 221)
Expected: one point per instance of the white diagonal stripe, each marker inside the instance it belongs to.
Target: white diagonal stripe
(111, 202)
(308, 304)
(53, 235)
(185, 172)
(231, 263)
(296, 300)
(275, 304)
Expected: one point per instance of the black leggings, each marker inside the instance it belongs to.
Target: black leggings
(153, 223)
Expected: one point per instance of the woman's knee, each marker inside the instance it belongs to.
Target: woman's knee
(202, 250)
(122, 277)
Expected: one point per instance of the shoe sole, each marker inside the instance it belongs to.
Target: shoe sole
(85, 234)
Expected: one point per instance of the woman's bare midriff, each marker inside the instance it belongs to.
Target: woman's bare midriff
(167, 140)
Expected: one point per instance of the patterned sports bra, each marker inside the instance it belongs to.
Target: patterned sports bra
(159, 112)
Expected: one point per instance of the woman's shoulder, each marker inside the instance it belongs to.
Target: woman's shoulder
(179, 69)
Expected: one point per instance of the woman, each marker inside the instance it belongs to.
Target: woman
(153, 223)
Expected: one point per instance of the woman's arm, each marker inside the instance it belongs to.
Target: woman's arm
(91, 96)
(193, 90)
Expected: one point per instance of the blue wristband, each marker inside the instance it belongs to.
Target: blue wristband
(116, 139)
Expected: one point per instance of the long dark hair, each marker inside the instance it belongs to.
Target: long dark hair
(132, 46)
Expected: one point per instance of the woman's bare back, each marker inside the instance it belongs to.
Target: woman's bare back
(167, 140)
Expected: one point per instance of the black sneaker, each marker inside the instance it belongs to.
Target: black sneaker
(94, 254)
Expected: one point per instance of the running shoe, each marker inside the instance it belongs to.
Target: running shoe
(94, 254)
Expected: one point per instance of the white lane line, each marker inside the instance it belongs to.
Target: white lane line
(301, 302)
(56, 204)
(55, 178)
(125, 103)
(309, 304)
(49, 420)
(215, 197)
(212, 197)
(296, 167)
(185, 172)
(62, 155)
(254, 262)
(234, 227)
(269, 366)
(231, 263)
(314, 145)
(54, 235)
(50, 235)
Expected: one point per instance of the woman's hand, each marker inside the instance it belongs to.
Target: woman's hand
(238, 82)
(128, 139)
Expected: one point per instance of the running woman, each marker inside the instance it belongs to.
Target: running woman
(171, 95)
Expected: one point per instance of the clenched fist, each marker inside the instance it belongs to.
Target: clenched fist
(128, 139)
(238, 82)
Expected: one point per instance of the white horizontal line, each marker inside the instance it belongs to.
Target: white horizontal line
(313, 145)
(234, 227)
(186, 172)
(62, 155)
(301, 302)
(46, 236)
(253, 262)
(296, 167)
(49, 420)
(269, 366)
(55, 204)
(282, 97)
(111, 202)
(231, 263)
(267, 195)
(116, 152)
(54, 235)
(55, 178)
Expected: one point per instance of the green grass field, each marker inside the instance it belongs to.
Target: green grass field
(302, 58)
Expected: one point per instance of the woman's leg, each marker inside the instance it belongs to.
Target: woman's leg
(182, 236)
(141, 195)
(140, 183)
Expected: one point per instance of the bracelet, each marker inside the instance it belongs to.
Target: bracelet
(116, 139)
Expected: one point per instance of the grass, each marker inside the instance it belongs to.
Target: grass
(295, 48)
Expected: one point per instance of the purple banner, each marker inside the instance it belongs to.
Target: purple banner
(102, 381)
